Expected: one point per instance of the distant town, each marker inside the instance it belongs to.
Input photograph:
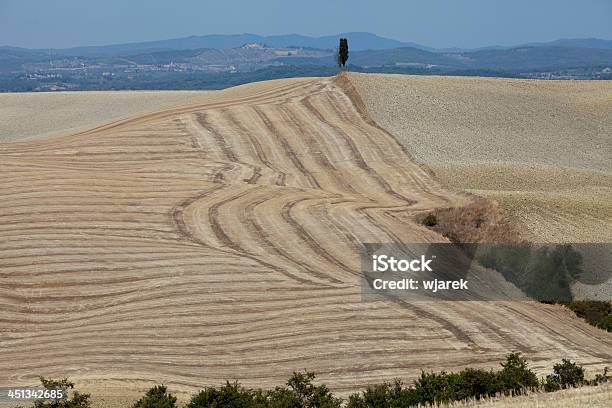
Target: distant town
(204, 63)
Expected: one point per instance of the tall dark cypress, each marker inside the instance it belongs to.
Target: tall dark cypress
(343, 52)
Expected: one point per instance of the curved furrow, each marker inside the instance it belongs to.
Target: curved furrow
(222, 240)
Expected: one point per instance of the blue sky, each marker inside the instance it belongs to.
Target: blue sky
(437, 23)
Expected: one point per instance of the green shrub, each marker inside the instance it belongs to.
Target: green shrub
(600, 378)
(156, 397)
(551, 383)
(299, 392)
(446, 387)
(605, 323)
(436, 388)
(515, 377)
(302, 393)
(385, 395)
(433, 387)
(566, 375)
(230, 395)
(373, 396)
(75, 400)
(430, 220)
(475, 383)
(281, 397)
(570, 374)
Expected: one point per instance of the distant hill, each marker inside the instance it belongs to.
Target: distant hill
(564, 42)
(13, 58)
(247, 57)
(539, 58)
(577, 43)
(358, 41)
(218, 61)
(237, 57)
(404, 56)
(521, 58)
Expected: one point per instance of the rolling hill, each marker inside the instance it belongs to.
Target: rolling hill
(360, 41)
(220, 240)
(540, 147)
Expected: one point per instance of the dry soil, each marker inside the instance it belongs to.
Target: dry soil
(221, 240)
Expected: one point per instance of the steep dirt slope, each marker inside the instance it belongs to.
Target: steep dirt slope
(221, 241)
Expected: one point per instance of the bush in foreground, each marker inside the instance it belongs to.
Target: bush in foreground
(566, 375)
(230, 395)
(300, 391)
(515, 377)
(157, 397)
(434, 388)
(384, 395)
(75, 400)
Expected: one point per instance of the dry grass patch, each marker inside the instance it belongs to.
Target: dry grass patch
(480, 221)
(592, 397)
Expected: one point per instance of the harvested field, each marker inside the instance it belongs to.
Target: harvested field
(542, 149)
(221, 240)
(25, 115)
